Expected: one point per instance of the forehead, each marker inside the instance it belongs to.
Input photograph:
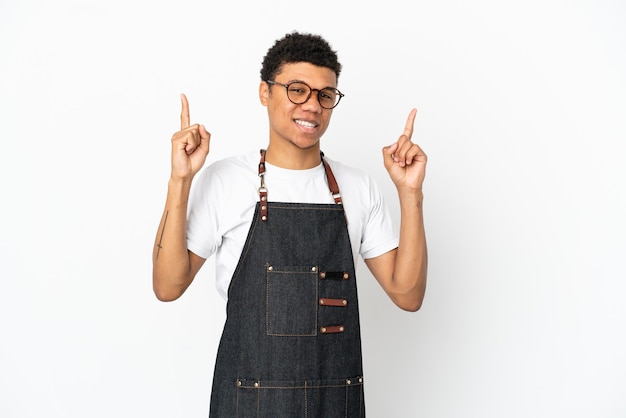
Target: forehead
(311, 74)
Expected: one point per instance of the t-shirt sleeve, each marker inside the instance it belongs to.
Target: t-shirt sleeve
(203, 238)
(379, 235)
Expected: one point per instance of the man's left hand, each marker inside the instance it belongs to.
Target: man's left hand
(404, 160)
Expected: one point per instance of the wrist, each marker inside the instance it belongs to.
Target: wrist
(178, 186)
(410, 199)
(177, 181)
(410, 193)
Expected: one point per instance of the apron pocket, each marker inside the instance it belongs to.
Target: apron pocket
(289, 399)
(291, 300)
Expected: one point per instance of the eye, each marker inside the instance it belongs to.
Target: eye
(329, 95)
(298, 89)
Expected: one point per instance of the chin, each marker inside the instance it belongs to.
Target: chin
(305, 145)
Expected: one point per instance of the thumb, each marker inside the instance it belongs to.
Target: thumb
(388, 151)
(205, 135)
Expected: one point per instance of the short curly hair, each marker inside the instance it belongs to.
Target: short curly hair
(299, 47)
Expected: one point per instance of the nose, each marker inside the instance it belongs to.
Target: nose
(313, 103)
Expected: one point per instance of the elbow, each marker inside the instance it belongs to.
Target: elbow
(166, 292)
(410, 306)
(165, 296)
(409, 300)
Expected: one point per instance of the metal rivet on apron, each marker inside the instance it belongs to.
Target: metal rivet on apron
(348, 381)
(360, 380)
(322, 275)
(256, 384)
(263, 207)
(323, 330)
(263, 198)
(314, 269)
(346, 276)
(345, 302)
(270, 268)
(264, 218)
(341, 329)
(238, 382)
(321, 301)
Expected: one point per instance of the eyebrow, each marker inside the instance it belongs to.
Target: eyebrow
(302, 81)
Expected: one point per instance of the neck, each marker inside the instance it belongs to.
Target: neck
(293, 158)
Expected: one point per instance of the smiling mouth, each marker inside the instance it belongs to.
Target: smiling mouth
(306, 124)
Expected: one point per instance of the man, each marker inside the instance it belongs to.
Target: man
(286, 225)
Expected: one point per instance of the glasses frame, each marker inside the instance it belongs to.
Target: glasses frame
(311, 90)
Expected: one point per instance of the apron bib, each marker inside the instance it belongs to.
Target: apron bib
(291, 344)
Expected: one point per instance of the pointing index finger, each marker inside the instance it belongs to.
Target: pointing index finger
(184, 114)
(410, 121)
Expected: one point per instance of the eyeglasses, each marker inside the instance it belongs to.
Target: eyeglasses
(299, 93)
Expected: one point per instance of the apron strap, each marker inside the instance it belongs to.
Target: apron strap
(262, 188)
(332, 183)
(330, 177)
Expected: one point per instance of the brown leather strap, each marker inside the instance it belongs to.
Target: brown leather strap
(332, 182)
(262, 188)
(332, 329)
(262, 163)
(333, 302)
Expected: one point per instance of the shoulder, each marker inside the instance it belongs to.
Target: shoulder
(247, 162)
(230, 168)
(361, 195)
(228, 175)
(350, 176)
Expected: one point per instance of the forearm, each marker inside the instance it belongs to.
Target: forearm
(410, 269)
(171, 273)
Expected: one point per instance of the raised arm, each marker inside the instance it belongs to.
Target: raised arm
(402, 272)
(173, 266)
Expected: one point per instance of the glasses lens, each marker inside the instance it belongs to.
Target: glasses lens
(298, 92)
(328, 98)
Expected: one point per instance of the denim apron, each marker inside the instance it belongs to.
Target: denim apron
(291, 344)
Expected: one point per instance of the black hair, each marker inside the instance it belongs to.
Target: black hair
(299, 47)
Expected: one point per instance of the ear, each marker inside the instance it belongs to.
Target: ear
(264, 93)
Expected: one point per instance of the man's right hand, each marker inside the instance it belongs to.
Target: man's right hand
(190, 146)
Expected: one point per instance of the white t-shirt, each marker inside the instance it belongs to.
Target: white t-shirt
(224, 195)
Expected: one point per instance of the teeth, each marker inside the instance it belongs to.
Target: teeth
(306, 124)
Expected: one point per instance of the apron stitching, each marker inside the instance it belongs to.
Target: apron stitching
(258, 401)
(244, 255)
(346, 407)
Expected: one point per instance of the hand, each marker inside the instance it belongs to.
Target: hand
(405, 161)
(190, 145)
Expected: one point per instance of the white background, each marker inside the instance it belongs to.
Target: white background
(522, 109)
